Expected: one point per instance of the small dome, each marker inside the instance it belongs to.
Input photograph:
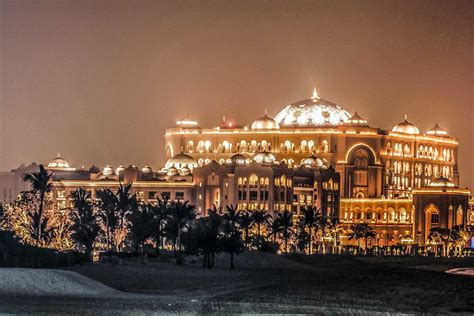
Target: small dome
(441, 182)
(184, 171)
(147, 169)
(264, 157)
(406, 128)
(187, 122)
(312, 161)
(356, 120)
(119, 169)
(59, 163)
(238, 159)
(180, 161)
(172, 171)
(437, 131)
(265, 122)
(108, 170)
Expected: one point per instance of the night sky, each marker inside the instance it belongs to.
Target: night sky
(99, 82)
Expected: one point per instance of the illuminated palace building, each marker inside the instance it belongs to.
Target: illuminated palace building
(313, 152)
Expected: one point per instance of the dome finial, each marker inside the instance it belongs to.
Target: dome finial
(266, 112)
(406, 117)
(315, 94)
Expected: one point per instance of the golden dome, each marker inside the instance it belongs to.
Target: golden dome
(180, 161)
(265, 122)
(312, 161)
(238, 159)
(437, 131)
(406, 128)
(108, 170)
(312, 112)
(119, 169)
(187, 122)
(264, 157)
(441, 182)
(147, 169)
(59, 163)
(356, 120)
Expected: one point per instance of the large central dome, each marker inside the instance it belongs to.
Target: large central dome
(312, 112)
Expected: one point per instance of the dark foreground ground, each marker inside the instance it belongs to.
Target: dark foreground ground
(270, 284)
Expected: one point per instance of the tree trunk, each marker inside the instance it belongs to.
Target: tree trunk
(40, 216)
(311, 240)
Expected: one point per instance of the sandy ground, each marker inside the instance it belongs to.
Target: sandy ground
(261, 283)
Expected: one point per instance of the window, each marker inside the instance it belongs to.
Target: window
(152, 194)
(179, 195)
(253, 195)
(434, 218)
(166, 194)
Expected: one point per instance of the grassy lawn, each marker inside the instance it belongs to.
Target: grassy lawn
(376, 284)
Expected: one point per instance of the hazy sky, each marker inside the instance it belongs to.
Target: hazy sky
(99, 82)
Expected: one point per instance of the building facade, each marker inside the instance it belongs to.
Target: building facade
(313, 152)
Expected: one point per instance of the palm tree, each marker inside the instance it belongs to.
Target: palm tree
(285, 224)
(245, 222)
(230, 238)
(85, 224)
(107, 211)
(41, 182)
(182, 213)
(141, 224)
(260, 217)
(439, 236)
(311, 218)
(359, 231)
(458, 238)
(161, 212)
(208, 231)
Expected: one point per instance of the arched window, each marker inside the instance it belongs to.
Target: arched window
(190, 146)
(459, 216)
(403, 215)
(253, 146)
(243, 146)
(253, 181)
(201, 146)
(288, 146)
(303, 146)
(207, 145)
(226, 146)
(310, 145)
(264, 145)
(324, 146)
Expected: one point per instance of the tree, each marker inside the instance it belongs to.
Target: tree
(41, 182)
(359, 231)
(208, 234)
(245, 222)
(181, 213)
(260, 218)
(285, 225)
(85, 226)
(160, 216)
(458, 238)
(107, 210)
(140, 220)
(230, 238)
(21, 217)
(440, 236)
(311, 218)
